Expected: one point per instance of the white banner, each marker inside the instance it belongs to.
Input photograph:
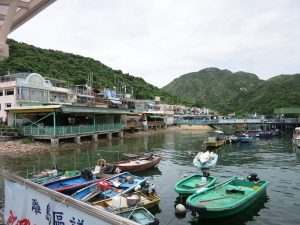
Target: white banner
(26, 206)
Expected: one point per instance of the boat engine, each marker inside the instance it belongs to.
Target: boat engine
(253, 177)
(87, 174)
(206, 173)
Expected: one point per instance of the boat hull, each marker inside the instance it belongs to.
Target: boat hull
(214, 144)
(207, 209)
(137, 164)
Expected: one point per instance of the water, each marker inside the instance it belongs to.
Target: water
(273, 159)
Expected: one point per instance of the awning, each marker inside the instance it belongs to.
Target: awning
(34, 109)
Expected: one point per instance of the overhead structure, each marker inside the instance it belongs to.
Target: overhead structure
(14, 13)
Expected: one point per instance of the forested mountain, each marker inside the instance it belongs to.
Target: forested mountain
(239, 92)
(220, 90)
(75, 69)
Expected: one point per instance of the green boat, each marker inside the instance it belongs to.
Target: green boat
(193, 183)
(227, 198)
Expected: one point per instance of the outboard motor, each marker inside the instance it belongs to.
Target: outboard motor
(87, 174)
(206, 173)
(253, 177)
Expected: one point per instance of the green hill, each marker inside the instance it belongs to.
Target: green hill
(239, 92)
(74, 69)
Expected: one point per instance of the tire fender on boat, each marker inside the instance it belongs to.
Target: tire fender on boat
(102, 163)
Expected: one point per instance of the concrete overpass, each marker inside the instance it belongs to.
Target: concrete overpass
(14, 13)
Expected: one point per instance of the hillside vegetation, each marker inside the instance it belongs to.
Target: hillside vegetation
(75, 69)
(243, 93)
(220, 90)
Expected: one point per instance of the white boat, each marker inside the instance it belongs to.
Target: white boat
(205, 160)
(296, 138)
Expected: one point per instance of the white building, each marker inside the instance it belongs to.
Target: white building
(29, 89)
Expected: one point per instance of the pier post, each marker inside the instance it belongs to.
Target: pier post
(54, 142)
(77, 140)
(109, 136)
(95, 137)
(121, 134)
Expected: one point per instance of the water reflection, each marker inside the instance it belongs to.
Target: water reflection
(273, 159)
(247, 215)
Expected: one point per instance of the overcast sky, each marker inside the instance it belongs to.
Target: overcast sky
(160, 40)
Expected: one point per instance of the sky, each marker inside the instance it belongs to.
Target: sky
(160, 40)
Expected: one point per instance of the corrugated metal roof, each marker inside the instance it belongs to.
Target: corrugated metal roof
(93, 110)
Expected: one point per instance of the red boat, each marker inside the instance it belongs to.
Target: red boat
(138, 164)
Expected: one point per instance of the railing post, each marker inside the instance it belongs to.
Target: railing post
(54, 124)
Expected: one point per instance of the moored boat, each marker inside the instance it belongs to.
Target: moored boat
(193, 183)
(227, 198)
(71, 184)
(108, 187)
(127, 201)
(139, 215)
(246, 139)
(53, 175)
(232, 139)
(138, 164)
(213, 142)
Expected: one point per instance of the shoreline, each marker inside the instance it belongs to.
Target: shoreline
(16, 148)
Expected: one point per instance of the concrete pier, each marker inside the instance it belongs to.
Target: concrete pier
(54, 142)
(121, 134)
(77, 140)
(95, 137)
(109, 136)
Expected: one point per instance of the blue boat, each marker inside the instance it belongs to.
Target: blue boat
(109, 187)
(71, 184)
(246, 139)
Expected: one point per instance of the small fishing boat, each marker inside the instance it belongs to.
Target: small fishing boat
(232, 139)
(127, 201)
(71, 184)
(53, 175)
(108, 187)
(204, 160)
(296, 138)
(138, 164)
(227, 198)
(213, 142)
(265, 134)
(139, 215)
(246, 139)
(193, 183)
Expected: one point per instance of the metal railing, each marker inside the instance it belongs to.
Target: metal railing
(68, 130)
(238, 121)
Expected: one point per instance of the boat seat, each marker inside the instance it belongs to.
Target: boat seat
(231, 189)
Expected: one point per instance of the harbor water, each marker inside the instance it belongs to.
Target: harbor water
(272, 159)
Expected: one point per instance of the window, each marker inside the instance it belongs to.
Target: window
(1, 92)
(9, 92)
(7, 105)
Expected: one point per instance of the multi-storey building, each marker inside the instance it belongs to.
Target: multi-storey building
(29, 89)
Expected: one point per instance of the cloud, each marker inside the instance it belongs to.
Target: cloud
(161, 40)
